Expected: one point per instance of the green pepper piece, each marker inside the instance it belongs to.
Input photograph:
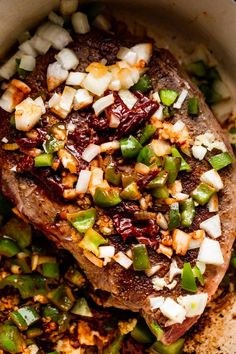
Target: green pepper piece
(211, 96)
(19, 231)
(174, 217)
(131, 192)
(188, 281)
(25, 317)
(115, 346)
(52, 145)
(34, 332)
(141, 333)
(28, 285)
(184, 165)
(212, 74)
(8, 248)
(233, 262)
(75, 277)
(82, 220)
(81, 308)
(11, 339)
(147, 132)
(156, 329)
(174, 348)
(146, 156)
(198, 274)
(172, 166)
(51, 270)
(159, 181)
(61, 297)
(106, 198)
(91, 241)
(140, 257)
(112, 176)
(187, 212)
(160, 192)
(43, 160)
(203, 193)
(198, 69)
(144, 84)
(51, 312)
(55, 352)
(22, 73)
(168, 112)
(130, 147)
(221, 160)
(168, 97)
(193, 106)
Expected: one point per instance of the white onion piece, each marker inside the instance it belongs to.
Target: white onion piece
(199, 152)
(80, 23)
(56, 35)
(181, 196)
(14, 94)
(160, 147)
(181, 99)
(153, 270)
(111, 145)
(128, 98)
(24, 36)
(158, 114)
(97, 85)
(54, 100)
(123, 260)
(201, 266)
(102, 103)
(32, 349)
(82, 99)
(91, 151)
(212, 178)
(27, 48)
(193, 304)
(96, 179)
(172, 310)
(75, 78)
(56, 75)
(212, 226)
(156, 97)
(161, 221)
(143, 51)
(40, 45)
(115, 85)
(156, 302)
(54, 18)
(68, 7)
(114, 121)
(193, 244)
(27, 114)
(102, 22)
(210, 252)
(40, 103)
(127, 55)
(83, 181)
(178, 126)
(213, 204)
(27, 62)
(174, 270)
(141, 168)
(223, 109)
(8, 69)
(106, 251)
(67, 58)
(67, 98)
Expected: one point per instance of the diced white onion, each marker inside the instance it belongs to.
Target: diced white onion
(32, 349)
(56, 75)
(129, 253)
(102, 22)
(213, 204)
(172, 285)
(56, 35)
(80, 23)
(67, 98)
(68, 7)
(82, 99)
(123, 260)
(141, 168)
(75, 78)
(83, 181)
(153, 270)
(96, 179)
(193, 304)
(158, 283)
(8, 69)
(14, 94)
(54, 100)
(4, 140)
(106, 251)
(193, 244)
(27, 114)
(201, 266)
(172, 310)
(161, 221)
(28, 49)
(181, 196)
(210, 252)
(220, 87)
(54, 18)
(212, 178)
(27, 62)
(223, 109)
(156, 97)
(111, 145)
(159, 113)
(114, 121)
(40, 103)
(212, 226)
(156, 302)
(24, 36)
(178, 126)
(91, 151)
(143, 51)
(102, 103)
(199, 152)
(127, 55)
(115, 85)
(41, 45)
(160, 147)
(174, 270)
(67, 58)
(97, 85)
(181, 99)
(128, 98)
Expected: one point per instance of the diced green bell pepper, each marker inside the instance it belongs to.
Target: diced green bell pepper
(51, 270)
(146, 156)
(198, 274)
(172, 166)
(184, 165)
(141, 333)
(188, 281)
(147, 132)
(28, 285)
(19, 231)
(156, 329)
(174, 348)
(203, 193)
(34, 332)
(51, 312)
(143, 85)
(82, 220)
(24, 317)
(8, 247)
(211, 96)
(11, 339)
(43, 160)
(168, 97)
(193, 106)
(61, 298)
(140, 257)
(174, 217)
(112, 176)
(159, 181)
(198, 69)
(81, 308)
(187, 212)
(106, 198)
(75, 277)
(115, 346)
(221, 160)
(131, 192)
(52, 145)
(160, 192)
(130, 147)
(91, 241)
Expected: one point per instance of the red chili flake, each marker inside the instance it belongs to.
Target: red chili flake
(143, 181)
(29, 143)
(25, 164)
